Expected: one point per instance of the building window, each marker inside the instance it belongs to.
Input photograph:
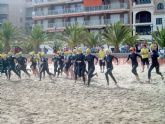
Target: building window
(143, 1)
(160, 6)
(143, 17)
(158, 21)
(143, 30)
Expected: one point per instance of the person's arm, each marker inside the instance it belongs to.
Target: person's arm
(95, 57)
(127, 58)
(116, 59)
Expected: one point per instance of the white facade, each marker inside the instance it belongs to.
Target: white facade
(147, 17)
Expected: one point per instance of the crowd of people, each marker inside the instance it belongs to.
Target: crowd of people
(76, 64)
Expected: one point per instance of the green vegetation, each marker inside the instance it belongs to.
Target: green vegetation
(159, 37)
(73, 36)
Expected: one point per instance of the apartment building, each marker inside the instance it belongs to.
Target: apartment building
(4, 11)
(28, 15)
(55, 15)
(148, 15)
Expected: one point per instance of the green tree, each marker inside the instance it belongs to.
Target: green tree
(159, 37)
(130, 40)
(37, 37)
(9, 33)
(94, 39)
(116, 34)
(74, 35)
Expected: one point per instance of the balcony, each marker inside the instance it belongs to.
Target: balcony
(38, 3)
(83, 10)
(87, 24)
(4, 10)
(4, 2)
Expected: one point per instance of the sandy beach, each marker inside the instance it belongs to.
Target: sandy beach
(61, 101)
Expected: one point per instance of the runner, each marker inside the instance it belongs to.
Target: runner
(108, 59)
(133, 56)
(154, 64)
(22, 64)
(80, 66)
(91, 65)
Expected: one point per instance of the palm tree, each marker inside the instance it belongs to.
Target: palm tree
(115, 34)
(159, 37)
(74, 35)
(9, 33)
(37, 37)
(94, 39)
(130, 40)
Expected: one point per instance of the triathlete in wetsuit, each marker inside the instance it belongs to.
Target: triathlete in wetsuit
(33, 65)
(22, 64)
(133, 56)
(80, 66)
(44, 66)
(60, 64)
(91, 64)
(55, 60)
(108, 59)
(154, 64)
(12, 66)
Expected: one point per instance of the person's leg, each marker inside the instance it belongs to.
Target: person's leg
(106, 75)
(55, 70)
(90, 75)
(71, 72)
(158, 72)
(83, 74)
(23, 68)
(100, 63)
(16, 72)
(143, 65)
(134, 71)
(103, 63)
(149, 72)
(9, 73)
(113, 78)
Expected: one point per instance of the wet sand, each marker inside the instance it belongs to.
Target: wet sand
(61, 101)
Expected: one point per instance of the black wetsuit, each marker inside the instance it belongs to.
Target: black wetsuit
(5, 67)
(44, 67)
(22, 65)
(1, 66)
(108, 59)
(55, 59)
(134, 61)
(12, 66)
(68, 62)
(154, 64)
(80, 66)
(91, 67)
(33, 62)
(60, 64)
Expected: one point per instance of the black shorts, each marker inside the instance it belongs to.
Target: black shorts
(145, 61)
(101, 62)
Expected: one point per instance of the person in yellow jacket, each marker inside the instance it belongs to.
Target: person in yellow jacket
(101, 59)
(145, 56)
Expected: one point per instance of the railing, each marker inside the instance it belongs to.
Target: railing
(3, 10)
(4, 1)
(83, 9)
(52, 1)
(89, 23)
